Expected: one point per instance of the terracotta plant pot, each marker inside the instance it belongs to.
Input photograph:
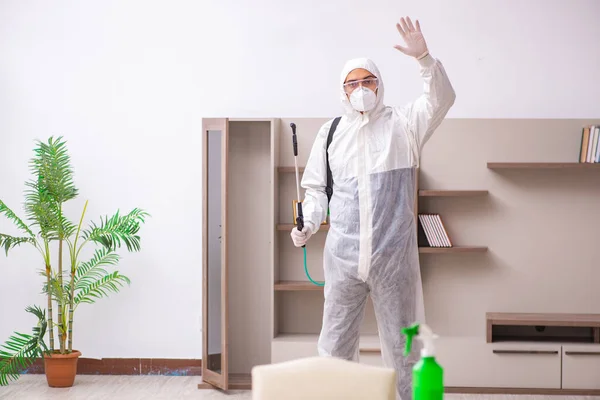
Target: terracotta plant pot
(61, 368)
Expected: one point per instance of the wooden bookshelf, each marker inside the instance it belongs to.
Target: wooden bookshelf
(542, 165)
(295, 297)
(287, 326)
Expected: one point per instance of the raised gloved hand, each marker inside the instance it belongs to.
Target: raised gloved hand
(300, 238)
(415, 42)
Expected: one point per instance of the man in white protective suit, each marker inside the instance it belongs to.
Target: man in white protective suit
(371, 247)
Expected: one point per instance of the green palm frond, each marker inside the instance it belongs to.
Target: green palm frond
(62, 228)
(8, 213)
(21, 350)
(91, 271)
(39, 331)
(8, 242)
(41, 210)
(118, 229)
(16, 358)
(38, 312)
(52, 164)
(100, 288)
(66, 227)
(51, 187)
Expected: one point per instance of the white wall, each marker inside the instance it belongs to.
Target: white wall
(127, 83)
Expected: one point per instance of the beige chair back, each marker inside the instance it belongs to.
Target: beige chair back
(322, 378)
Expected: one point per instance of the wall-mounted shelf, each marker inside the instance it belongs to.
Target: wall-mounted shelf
(422, 193)
(542, 165)
(540, 327)
(445, 193)
(452, 193)
(296, 286)
(454, 249)
(422, 250)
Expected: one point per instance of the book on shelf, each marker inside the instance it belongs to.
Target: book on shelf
(590, 147)
(432, 232)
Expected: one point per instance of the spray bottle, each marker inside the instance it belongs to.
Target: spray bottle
(428, 375)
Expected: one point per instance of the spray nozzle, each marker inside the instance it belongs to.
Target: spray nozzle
(424, 334)
(294, 140)
(410, 332)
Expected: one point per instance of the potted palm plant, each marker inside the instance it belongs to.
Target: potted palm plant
(67, 280)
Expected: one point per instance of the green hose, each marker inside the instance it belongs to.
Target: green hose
(306, 271)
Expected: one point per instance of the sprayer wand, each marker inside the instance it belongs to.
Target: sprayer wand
(300, 215)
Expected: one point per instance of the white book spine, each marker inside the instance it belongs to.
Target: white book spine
(425, 227)
(597, 158)
(436, 230)
(446, 237)
(594, 146)
(434, 240)
(590, 144)
(440, 226)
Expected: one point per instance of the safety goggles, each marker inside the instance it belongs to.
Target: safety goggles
(371, 83)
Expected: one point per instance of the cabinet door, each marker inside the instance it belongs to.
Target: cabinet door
(581, 366)
(470, 362)
(215, 307)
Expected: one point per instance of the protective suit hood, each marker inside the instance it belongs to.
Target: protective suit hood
(369, 65)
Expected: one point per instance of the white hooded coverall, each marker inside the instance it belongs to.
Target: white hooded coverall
(371, 247)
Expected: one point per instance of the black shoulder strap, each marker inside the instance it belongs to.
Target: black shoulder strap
(329, 188)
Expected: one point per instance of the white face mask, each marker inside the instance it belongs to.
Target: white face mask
(363, 99)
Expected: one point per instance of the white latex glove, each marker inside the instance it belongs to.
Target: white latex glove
(415, 42)
(300, 238)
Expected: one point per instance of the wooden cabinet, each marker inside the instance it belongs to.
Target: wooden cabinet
(237, 247)
(526, 353)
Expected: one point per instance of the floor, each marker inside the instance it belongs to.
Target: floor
(105, 387)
